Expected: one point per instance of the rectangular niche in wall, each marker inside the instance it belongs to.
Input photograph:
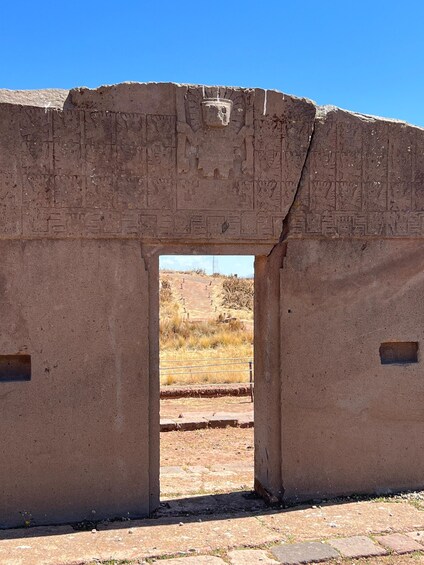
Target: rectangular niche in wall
(15, 368)
(399, 352)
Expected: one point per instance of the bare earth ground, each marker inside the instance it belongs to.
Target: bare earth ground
(210, 460)
(208, 447)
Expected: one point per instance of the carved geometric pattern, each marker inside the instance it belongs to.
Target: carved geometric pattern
(362, 178)
(89, 173)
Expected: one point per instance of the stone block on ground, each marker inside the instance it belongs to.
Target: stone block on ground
(167, 425)
(189, 424)
(309, 552)
(357, 546)
(245, 420)
(250, 557)
(400, 543)
(223, 419)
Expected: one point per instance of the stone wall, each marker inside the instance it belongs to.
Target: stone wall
(75, 438)
(351, 424)
(96, 184)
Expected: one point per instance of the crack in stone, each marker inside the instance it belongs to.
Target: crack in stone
(285, 229)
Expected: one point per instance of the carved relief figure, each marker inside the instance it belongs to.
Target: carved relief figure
(215, 133)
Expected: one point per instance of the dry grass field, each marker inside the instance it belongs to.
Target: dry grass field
(206, 328)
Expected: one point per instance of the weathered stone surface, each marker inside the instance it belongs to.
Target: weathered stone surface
(138, 539)
(357, 546)
(363, 178)
(417, 536)
(167, 425)
(399, 543)
(250, 557)
(245, 420)
(83, 415)
(141, 160)
(191, 423)
(222, 420)
(48, 98)
(347, 519)
(308, 552)
(342, 431)
(197, 560)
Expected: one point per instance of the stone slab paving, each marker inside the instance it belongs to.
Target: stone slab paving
(309, 552)
(250, 557)
(357, 546)
(137, 540)
(194, 479)
(207, 533)
(197, 560)
(417, 536)
(346, 519)
(400, 543)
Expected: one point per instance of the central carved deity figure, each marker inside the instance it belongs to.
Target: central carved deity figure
(214, 135)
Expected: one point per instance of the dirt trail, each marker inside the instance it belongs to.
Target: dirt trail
(195, 293)
(200, 297)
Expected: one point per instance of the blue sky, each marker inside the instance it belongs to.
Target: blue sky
(226, 264)
(366, 56)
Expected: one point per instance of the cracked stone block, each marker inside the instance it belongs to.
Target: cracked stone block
(308, 552)
(250, 557)
(400, 543)
(357, 546)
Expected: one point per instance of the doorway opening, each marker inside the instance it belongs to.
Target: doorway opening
(206, 371)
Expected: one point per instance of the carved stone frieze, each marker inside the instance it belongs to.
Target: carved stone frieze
(363, 178)
(215, 163)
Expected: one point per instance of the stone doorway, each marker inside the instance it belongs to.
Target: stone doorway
(267, 476)
(206, 375)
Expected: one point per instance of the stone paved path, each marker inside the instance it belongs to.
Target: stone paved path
(388, 530)
(194, 479)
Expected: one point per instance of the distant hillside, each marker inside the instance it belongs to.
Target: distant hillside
(207, 320)
(203, 297)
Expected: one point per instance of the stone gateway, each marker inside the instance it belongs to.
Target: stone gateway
(96, 184)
